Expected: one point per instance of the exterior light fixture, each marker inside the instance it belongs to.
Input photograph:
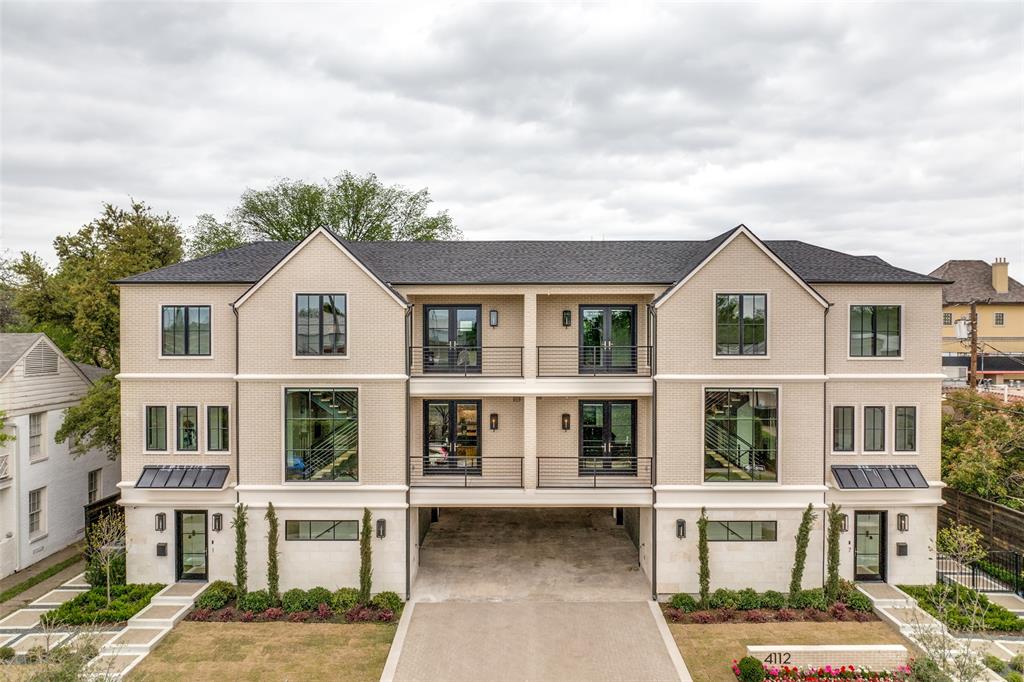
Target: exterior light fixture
(844, 523)
(680, 528)
(902, 523)
(161, 522)
(494, 318)
(382, 528)
(566, 422)
(218, 522)
(566, 318)
(494, 421)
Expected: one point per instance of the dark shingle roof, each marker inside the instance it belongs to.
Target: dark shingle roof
(533, 262)
(971, 280)
(92, 372)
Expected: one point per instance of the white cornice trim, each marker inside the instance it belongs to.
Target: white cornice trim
(765, 378)
(741, 487)
(887, 377)
(321, 377)
(174, 376)
(342, 487)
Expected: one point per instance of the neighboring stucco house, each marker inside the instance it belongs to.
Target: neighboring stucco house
(43, 489)
(646, 378)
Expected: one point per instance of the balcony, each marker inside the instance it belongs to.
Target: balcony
(466, 361)
(451, 471)
(5, 469)
(603, 361)
(594, 472)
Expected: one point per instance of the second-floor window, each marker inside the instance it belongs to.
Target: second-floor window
(906, 428)
(36, 441)
(156, 428)
(999, 319)
(741, 324)
(321, 324)
(842, 428)
(217, 428)
(185, 330)
(187, 428)
(875, 331)
(874, 429)
(947, 319)
(321, 434)
(741, 434)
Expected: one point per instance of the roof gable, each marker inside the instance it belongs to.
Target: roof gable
(971, 280)
(16, 346)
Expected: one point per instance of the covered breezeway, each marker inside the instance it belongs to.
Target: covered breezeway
(530, 554)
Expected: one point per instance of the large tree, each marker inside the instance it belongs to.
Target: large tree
(356, 207)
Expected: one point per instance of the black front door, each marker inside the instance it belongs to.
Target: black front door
(451, 436)
(191, 545)
(869, 545)
(607, 339)
(607, 437)
(451, 338)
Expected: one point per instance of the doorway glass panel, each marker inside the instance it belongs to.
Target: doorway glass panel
(607, 437)
(607, 339)
(869, 546)
(451, 339)
(451, 437)
(192, 546)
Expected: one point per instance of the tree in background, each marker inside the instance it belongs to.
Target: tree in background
(704, 574)
(835, 524)
(273, 579)
(803, 536)
(208, 236)
(239, 523)
(366, 558)
(95, 422)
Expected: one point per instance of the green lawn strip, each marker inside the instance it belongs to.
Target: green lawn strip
(942, 602)
(12, 592)
(91, 607)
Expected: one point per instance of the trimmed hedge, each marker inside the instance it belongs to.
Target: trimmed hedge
(91, 607)
(683, 602)
(389, 601)
(942, 601)
(216, 596)
(345, 598)
(257, 602)
(808, 599)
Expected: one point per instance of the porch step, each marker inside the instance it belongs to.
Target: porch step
(178, 594)
(884, 594)
(159, 615)
(134, 640)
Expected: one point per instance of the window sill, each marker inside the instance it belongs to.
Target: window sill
(37, 538)
(37, 460)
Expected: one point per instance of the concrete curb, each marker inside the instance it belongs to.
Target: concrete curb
(669, 641)
(391, 665)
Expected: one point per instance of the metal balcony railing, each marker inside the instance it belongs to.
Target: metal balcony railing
(5, 469)
(594, 472)
(572, 361)
(466, 361)
(452, 471)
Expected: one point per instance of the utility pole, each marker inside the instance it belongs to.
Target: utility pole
(972, 375)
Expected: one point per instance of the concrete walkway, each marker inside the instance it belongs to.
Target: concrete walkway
(36, 591)
(535, 642)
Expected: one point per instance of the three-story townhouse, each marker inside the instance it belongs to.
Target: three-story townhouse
(647, 379)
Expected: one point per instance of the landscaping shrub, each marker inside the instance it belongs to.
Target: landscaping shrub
(273, 613)
(772, 600)
(675, 615)
(683, 602)
(366, 557)
(360, 614)
(273, 575)
(725, 615)
(993, 663)
(299, 616)
(96, 576)
(239, 523)
(91, 606)
(786, 615)
(858, 601)
(723, 599)
(757, 616)
(258, 601)
(927, 670)
(386, 616)
(6, 653)
(839, 611)
(1014, 676)
(200, 615)
(808, 599)
(817, 615)
(227, 615)
(703, 617)
(750, 669)
(387, 600)
(863, 616)
(832, 543)
(216, 596)
(294, 600)
(316, 596)
(942, 601)
(345, 598)
(1017, 663)
(703, 556)
(747, 599)
(803, 536)
(247, 617)
(324, 612)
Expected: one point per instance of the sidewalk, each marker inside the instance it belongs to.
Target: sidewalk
(33, 593)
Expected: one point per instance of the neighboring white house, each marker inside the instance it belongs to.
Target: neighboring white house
(43, 489)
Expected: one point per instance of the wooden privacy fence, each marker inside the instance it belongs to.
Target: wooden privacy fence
(1003, 527)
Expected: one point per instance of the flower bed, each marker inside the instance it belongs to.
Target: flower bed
(749, 606)
(91, 608)
(220, 603)
(748, 670)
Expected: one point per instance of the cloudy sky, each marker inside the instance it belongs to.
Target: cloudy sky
(896, 130)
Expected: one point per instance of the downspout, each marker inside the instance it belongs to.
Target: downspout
(824, 440)
(652, 334)
(408, 436)
(238, 431)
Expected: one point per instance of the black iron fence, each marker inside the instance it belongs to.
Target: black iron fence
(999, 571)
(594, 472)
(466, 361)
(465, 472)
(571, 361)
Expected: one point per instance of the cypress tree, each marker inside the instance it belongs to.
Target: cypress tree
(803, 535)
(835, 520)
(241, 567)
(702, 552)
(273, 579)
(366, 558)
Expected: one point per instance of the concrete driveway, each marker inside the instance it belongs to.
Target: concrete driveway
(534, 642)
(528, 554)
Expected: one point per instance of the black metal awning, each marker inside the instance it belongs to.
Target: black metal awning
(183, 477)
(873, 476)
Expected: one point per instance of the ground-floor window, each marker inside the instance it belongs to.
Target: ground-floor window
(742, 531)
(37, 512)
(94, 484)
(321, 530)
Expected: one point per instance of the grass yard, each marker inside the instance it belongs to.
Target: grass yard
(268, 651)
(708, 650)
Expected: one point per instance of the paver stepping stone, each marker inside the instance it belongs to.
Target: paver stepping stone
(7, 639)
(1010, 602)
(47, 640)
(56, 597)
(22, 619)
(78, 582)
(182, 590)
(1014, 647)
(114, 664)
(133, 636)
(97, 639)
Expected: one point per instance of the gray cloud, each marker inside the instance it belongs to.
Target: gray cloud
(889, 129)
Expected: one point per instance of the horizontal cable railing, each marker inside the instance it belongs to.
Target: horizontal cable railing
(594, 472)
(465, 472)
(487, 361)
(571, 361)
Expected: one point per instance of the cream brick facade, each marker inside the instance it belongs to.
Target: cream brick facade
(807, 362)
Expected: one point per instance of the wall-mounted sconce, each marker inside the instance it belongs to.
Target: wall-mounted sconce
(902, 523)
(680, 528)
(382, 528)
(566, 422)
(494, 318)
(161, 522)
(566, 318)
(218, 522)
(494, 421)
(844, 523)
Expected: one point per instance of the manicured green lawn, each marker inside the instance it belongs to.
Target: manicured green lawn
(38, 578)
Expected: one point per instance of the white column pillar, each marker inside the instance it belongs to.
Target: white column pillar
(529, 441)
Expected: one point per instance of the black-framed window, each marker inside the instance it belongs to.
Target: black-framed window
(906, 428)
(186, 428)
(742, 531)
(321, 324)
(321, 428)
(842, 428)
(217, 428)
(947, 319)
(321, 530)
(741, 427)
(185, 330)
(875, 331)
(874, 429)
(741, 324)
(999, 319)
(156, 427)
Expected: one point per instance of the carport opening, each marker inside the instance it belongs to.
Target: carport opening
(549, 554)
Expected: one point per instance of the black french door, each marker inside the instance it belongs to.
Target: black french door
(451, 338)
(451, 436)
(607, 339)
(869, 545)
(608, 437)
(191, 546)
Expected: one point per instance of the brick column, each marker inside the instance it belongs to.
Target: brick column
(529, 335)
(529, 441)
